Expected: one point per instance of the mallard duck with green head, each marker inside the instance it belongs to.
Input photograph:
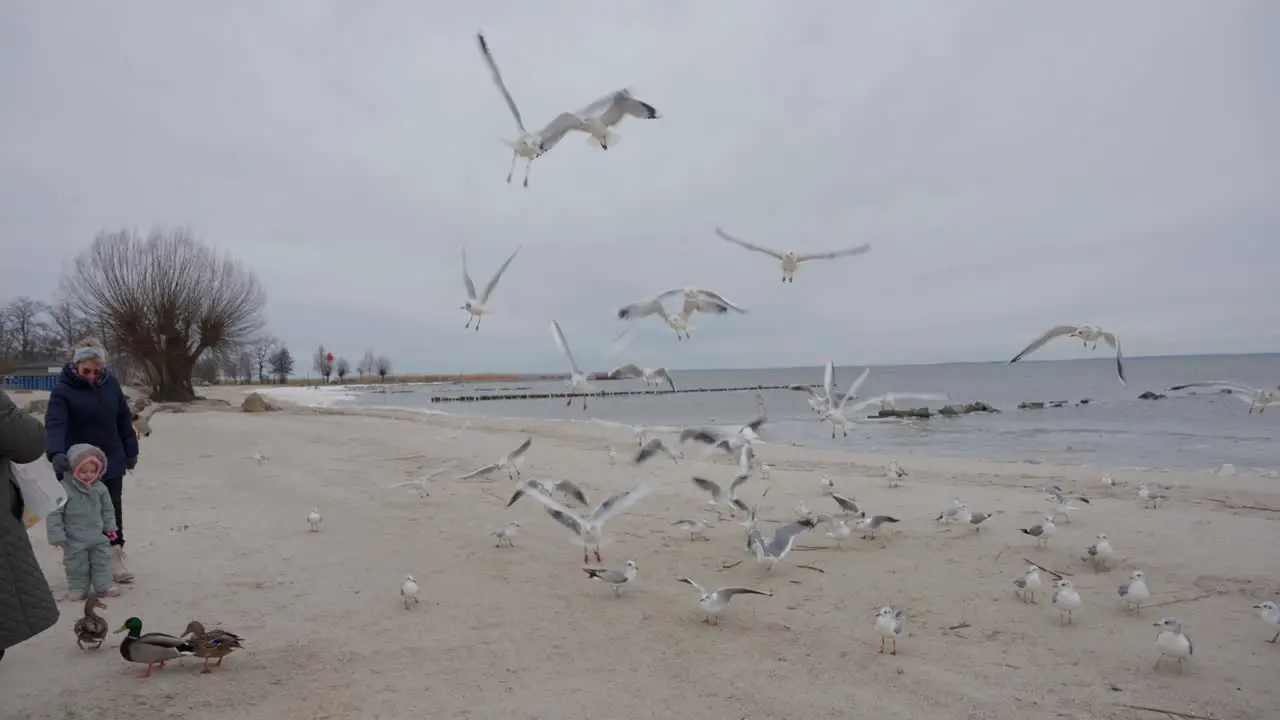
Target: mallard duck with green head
(91, 628)
(152, 648)
(210, 644)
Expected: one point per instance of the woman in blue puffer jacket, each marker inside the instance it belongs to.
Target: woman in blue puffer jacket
(88, 406)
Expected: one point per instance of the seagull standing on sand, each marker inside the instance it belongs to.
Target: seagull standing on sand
(589, 529)
(950, 512)
(578, 384)
(848, 505)
(1066, 599)
(1135, 592)
(1149, 497)
(507, 534)
(869, 525)
(509, 462)
(779, 546)
(1172, 642)
(531, 145)
(895, 473)
(1026, 586)
(695, 300)
(1099, 553)
(654, 378)
(889, 626)
(791, 260)
(839, 528)
(613, 456)
(313, 519)
(713, 603)
(1086, 333)
(615, 578)
(608, 111)
(1041, 531)
(479, 306)
(1270, 614)
(1258, 399)
(409, 591)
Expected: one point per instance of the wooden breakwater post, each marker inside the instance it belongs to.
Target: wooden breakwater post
(602, 394)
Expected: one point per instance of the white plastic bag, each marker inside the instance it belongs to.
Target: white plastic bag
(41, 492)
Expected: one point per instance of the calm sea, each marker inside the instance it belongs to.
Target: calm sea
(1114, 429)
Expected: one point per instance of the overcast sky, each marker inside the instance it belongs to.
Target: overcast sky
(1014, 165)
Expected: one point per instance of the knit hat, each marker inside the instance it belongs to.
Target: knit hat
(81, 452)
(89, 349)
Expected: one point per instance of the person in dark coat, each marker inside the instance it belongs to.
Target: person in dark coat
(88, 406)
(27, 607)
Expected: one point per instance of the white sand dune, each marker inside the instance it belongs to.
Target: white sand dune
(522, 633)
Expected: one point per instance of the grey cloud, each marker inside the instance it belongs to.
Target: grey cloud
(1014, 165)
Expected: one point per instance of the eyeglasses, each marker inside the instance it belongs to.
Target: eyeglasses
(90, 372)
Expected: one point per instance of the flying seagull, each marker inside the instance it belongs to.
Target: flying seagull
(791, 260)
(655, 446)
(653, 377)
(695, 300)
(529, 145)
(779, 546)
(479, 306)
(578, 384)
(1257, 398)
(608, 111)
(567, 487)
(719, 498)
(713, 603)
(509, 462)
(1088, 334)
(590, 528)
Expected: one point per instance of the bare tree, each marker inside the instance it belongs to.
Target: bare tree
(68, 324)
(321, 363)
(263, 348)
(365, 368)
(29, 334)
(382, 366)
(343, 368)
(282, 364)
(244, 366)
(229, 364)
(166, 300)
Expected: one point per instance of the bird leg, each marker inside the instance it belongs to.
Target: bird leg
(206, 666)
(510, 172)
(598, 554)
(526, 172)
(469, 319)
(569, 402)
(895, 647)
(146, 674)
(79, 644)
(881, 646)
(843, 430)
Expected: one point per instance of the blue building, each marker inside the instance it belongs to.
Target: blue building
(34, 375)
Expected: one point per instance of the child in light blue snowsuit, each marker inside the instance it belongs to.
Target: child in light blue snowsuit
(84, 528)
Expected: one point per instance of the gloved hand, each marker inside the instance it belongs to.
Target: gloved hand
(131, 463)
(60, 464)
(112, 535)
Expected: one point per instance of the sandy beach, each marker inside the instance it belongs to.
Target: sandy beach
(523, 633)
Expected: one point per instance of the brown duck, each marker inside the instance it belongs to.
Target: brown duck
(91, 628)
(209, 644)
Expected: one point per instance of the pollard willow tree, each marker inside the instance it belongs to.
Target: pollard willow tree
(166, 300)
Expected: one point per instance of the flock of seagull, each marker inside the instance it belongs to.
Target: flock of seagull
(586, 523)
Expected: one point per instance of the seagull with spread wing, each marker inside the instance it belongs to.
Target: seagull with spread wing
(654, 378)
(589, 529)
(1257, 398)
(835, 409)
(578, 384)
(530, 145)
(695, 300)
(608, 111)
(713, 603)
(1087, 334)
(791, 260)
(509, 462)
(479, 306)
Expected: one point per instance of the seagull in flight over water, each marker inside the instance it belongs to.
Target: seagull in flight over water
(695, 300)
(654, 378)
(1087, 334)
(479, 306)
(791, 260)
(578, 384)
(1258, 399)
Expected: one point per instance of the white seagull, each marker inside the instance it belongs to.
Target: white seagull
(1135, 592)
(720, 499)
(1172, 642)
(1270, 614)
(615, 578)
(409, 591)
(712, 603)
(1041, 531)
(507, 534)
(951, 511)
(529, 145)
(578, 384)
(568, 488)
(1149, 497)
(509, 462)
(895, 473)
(1099, 553)
(608, 111)
(779, 546)
(1026, 586)
(1086, 333)
(1257, 398)
(695, 300)
(968, 517)
(654, 378)
(889, 626)
(313, 519)
(1066, 599)
(834, 413)
(696, 527)
(477, 307)
(421, 482)
(791, 260)
(655, 446)
(590, 528)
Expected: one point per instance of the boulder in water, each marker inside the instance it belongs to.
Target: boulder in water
(1148, 395)
(908, 413)
(256, 403)
(1030, 406)
(973, 407)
